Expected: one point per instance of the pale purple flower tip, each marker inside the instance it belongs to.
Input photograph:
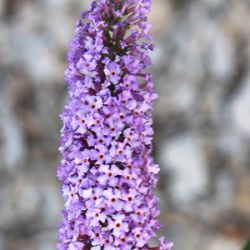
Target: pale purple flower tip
(108, 172)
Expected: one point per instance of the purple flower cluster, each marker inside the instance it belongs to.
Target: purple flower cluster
(107, 170)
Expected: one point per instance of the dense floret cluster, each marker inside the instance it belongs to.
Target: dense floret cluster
(107, 170)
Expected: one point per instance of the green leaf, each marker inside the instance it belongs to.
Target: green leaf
(247, 247)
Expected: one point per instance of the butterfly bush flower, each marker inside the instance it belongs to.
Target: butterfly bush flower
(107, 170)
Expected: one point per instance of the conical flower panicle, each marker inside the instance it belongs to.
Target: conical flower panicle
(107, 170)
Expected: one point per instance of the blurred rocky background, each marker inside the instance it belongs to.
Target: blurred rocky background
(202, 119)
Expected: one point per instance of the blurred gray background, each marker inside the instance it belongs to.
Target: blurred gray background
(202, 119)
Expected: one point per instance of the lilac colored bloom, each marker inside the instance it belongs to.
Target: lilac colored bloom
(86, 64)
(112, 72)
(108, 172)
(164, 244)
(118, 225)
